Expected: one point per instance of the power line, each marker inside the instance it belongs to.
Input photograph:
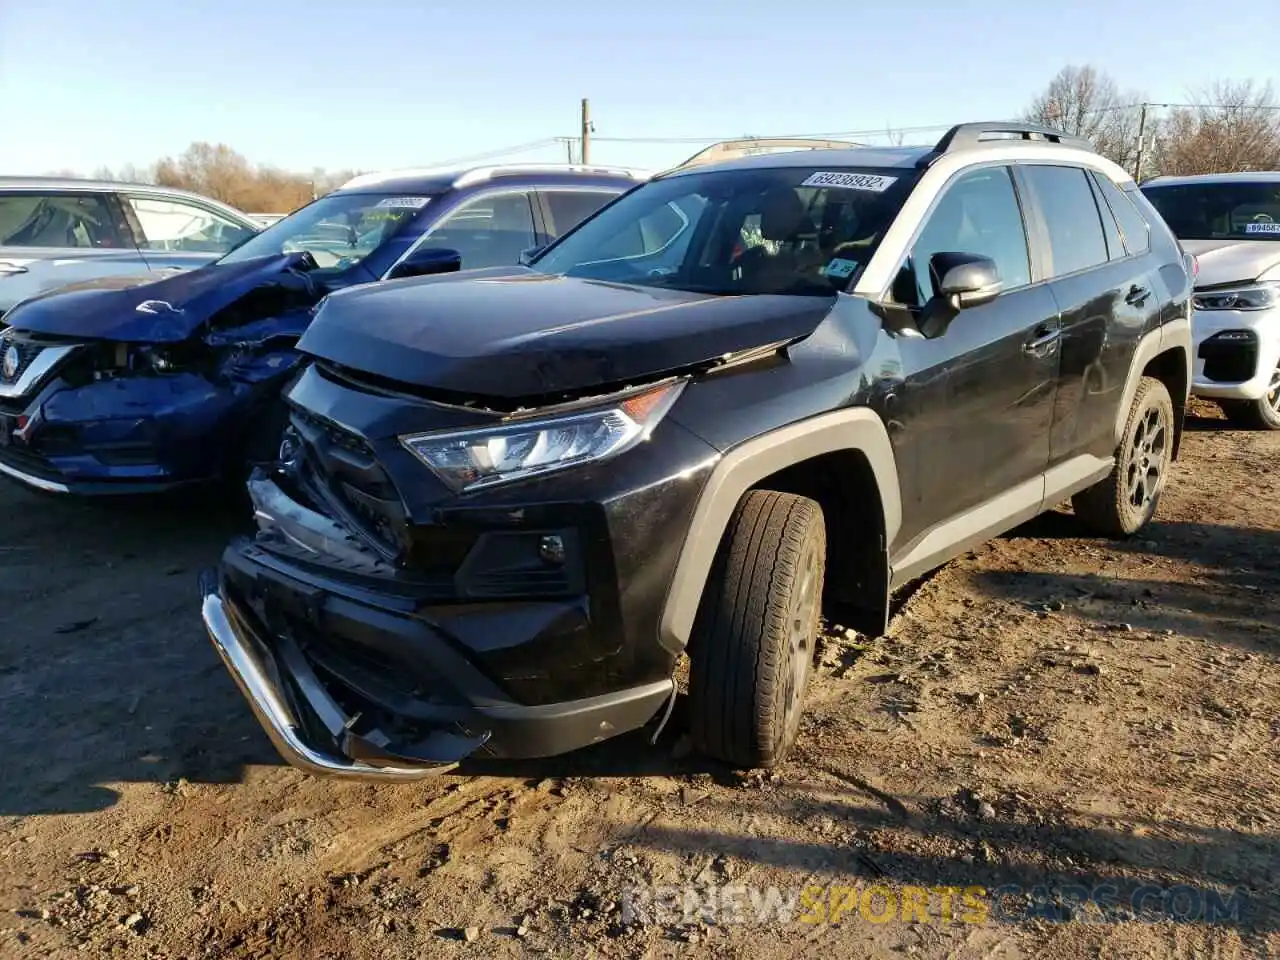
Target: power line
(504, 152)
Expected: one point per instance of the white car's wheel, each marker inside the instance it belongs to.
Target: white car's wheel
(1261, 414)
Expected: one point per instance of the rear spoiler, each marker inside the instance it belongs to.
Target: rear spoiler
(753, 146)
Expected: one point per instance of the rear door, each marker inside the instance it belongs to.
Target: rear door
(49, 238)
(1106, 296)
(563, 208)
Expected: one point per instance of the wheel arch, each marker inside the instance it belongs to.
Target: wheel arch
(789, 459)
(1165, 354)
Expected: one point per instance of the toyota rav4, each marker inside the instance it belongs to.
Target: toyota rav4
(508, 504)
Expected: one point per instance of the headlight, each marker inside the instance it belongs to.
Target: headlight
(471, 459)
(1256, 296)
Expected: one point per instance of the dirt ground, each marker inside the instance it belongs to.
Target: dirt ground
(1050, 715)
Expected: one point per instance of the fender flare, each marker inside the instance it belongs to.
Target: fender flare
(1169, 336)
(744, 466)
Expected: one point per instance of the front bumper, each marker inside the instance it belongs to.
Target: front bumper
(327, 713)
(130, 435)
(1236, 352)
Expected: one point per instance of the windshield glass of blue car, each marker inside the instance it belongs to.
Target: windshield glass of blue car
(1219, 211)
(339, 230)
(786, 230)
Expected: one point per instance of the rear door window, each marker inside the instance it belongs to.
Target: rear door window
(568, 208)
(1137, 233)
(1071, 217)
(1115, 243)
(58, 220)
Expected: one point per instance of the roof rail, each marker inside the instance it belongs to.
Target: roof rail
(753, 146)
(463, 176)
(967, 136)
(480, 174)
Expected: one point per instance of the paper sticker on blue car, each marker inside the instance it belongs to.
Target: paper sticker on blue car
(403, 203)
(840, 268)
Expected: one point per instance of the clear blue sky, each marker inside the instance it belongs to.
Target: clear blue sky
(390, 83)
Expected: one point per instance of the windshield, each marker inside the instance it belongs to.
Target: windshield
(789, 230)
(339, 230)
(1227, 210)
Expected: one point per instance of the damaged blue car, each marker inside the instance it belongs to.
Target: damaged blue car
(139, 385)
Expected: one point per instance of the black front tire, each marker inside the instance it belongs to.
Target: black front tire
(757, 629)
(1126, 500)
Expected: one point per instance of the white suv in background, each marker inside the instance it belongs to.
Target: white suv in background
(59, 231)
(1231, 223)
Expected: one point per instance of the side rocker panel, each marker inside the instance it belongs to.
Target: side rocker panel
(746, 465)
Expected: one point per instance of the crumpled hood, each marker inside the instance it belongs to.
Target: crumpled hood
(514, 333)
(1233, 261)
(143, 309)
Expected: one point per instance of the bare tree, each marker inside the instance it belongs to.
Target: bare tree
(217, 171)
(1086, 102)
(1232, 126)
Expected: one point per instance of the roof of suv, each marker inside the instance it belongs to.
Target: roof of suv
(437, 179)
(1257, 176)
(74, 183)
(111, 186)
(1003, 140)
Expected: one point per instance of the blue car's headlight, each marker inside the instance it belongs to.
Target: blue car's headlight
(471, 459)
(1254, 296)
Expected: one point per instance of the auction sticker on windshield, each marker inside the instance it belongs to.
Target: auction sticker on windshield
(404, 203)
(1262, 228)
(850, 181)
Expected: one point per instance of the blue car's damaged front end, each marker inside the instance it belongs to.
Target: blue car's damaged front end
(136, 386)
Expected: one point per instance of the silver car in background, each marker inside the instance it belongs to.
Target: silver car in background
(59, 231)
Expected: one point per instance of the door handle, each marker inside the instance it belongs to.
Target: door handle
(10, 269)
(1137, 296)
(1040, 346)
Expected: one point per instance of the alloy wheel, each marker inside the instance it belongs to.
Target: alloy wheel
(1148, 457)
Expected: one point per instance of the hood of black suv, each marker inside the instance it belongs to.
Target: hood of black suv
(518, 334)
(143, 309)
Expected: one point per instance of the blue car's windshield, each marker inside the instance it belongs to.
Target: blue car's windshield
(339, 230)
(784, 230)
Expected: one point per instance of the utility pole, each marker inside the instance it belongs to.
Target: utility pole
(586, 131)
(1142, 143)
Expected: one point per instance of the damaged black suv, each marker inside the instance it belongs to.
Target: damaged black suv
(509, 503)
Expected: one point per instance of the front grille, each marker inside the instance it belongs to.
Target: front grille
(1230, 356)
(20, 353)
(16, 356)
(344, 466)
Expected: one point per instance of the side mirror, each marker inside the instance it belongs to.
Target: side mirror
(526, 256)
(965, 279)
(426, 261)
